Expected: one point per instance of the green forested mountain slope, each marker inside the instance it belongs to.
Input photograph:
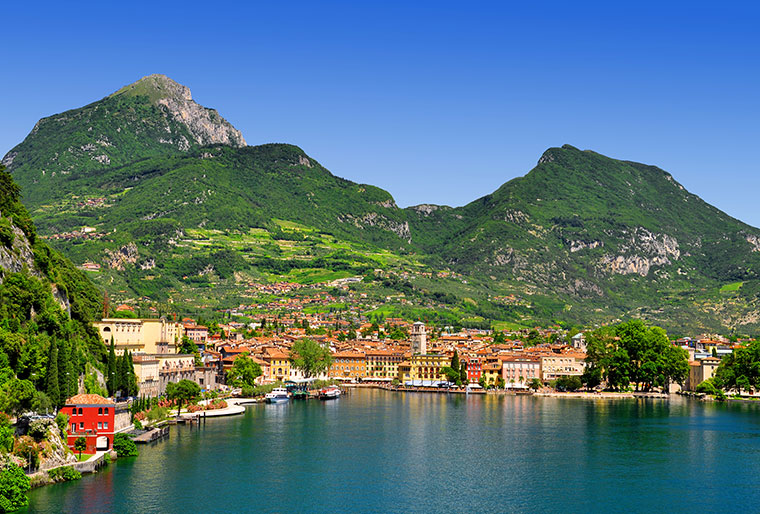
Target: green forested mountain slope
(46, 306)
(582, 237)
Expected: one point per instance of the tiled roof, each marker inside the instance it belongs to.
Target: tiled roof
(88, 399)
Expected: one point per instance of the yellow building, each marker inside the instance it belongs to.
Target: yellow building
(491, 372)
(382, 364)
(279, 364)
(140, 335)
(423, 367)
(348, 365)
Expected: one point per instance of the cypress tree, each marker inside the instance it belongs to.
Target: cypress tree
(111, 370)
(132, 375)
(65, 371)
(455, 361)
(463, 373)
(52, 389)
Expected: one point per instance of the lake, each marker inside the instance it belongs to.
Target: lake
(378, 451)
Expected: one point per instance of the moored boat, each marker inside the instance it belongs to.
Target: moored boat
(277, 395)
(329, 393)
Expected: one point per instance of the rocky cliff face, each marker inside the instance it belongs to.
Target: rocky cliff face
(18, 255)
(206, 125)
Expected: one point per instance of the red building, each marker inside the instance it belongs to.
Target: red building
(91, 416)
(474, 369)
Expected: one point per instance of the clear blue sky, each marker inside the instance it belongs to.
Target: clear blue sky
(436, 102)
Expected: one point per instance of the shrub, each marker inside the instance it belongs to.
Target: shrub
(14, 485)
(28, 450)
(64, 474)
(38, 429)
(706, 387)
(124, 446)
(62, 420)
(157, 413)
(137, 424)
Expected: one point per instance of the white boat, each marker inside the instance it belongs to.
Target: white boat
(278, 395)
(329, 393)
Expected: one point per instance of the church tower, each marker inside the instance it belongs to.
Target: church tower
(419, 338)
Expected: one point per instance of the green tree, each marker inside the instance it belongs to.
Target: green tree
(6, 433)
(535, 384)
(310, 357)
(52, 388)
(14, 486)
(455, 363)
(16, 396)
(65, 373)
(111, 370)
(463, 373)
(80, 445)
(184, 391)
(452, 375)
(124, 445)
(244, 372)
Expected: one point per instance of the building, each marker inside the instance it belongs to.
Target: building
(156, 335)
(491, 373)
(419, 338)
(519, 371)
(555, 365)
(279, 364)
(146, 369)
(382, 364)
(348, 365)
(196, 333)
(701, 370)
(94, 418)
(174, 367)
(424, 367)
(474, 367)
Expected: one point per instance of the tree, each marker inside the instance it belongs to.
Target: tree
(16, 396)
(14, 486)
(535, 384)
(66, 376)
(124, 445)
(463, 373)
(111, 370)
(452, 375)
(6, 433)
(455, 362)
(52, 388)
(184, 391)
(244, 372)
(310, 357)
(80, 445)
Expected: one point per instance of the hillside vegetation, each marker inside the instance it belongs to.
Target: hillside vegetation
(165, 197)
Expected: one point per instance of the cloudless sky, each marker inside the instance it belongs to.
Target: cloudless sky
(436, 102)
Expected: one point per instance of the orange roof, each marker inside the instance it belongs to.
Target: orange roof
(88, 399)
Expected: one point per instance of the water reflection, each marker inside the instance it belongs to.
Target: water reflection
(376, 451)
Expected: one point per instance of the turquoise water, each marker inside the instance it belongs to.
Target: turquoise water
(376, 451)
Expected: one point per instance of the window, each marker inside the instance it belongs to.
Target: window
(73, 427)
(80, 411)
(100, 426)
(105, 425)
(100, 411)
(81, 426)
(105, 411)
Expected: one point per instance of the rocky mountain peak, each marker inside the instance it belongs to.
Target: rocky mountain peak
(206, 125)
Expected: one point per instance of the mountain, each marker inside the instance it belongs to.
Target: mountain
(588, 229)
(154, 116)
(165, 196)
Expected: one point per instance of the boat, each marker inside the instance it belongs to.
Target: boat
(329, 393)
(277, 395)
(300, 395)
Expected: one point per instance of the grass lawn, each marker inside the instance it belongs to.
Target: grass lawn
(729, 288)
(83, 457)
